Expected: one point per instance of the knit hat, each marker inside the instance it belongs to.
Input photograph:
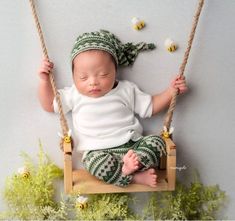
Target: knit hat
(124, 54)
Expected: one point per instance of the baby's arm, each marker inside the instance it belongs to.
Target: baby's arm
(162, 100)
(45, 92)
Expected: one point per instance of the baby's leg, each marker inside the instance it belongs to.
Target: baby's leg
(147, 177)
(149, 151)
(106, 166)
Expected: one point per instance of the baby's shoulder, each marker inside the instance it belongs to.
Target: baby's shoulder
(127, 89)
(70, 92)
(127, 84)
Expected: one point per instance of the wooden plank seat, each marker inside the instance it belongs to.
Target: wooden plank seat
(82, 182)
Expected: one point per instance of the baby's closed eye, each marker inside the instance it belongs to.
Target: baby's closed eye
(83, 77)
(103, 75)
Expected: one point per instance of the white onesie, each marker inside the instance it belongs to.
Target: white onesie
(107, 121)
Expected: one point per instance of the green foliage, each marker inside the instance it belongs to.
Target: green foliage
(54, 213)
(107, 207)
(31, 197)
(192, 202)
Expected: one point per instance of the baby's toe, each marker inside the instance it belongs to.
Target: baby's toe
(154, 177)
(152, 171)
(130, 153)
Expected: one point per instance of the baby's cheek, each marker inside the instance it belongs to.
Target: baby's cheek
(81, 86)
(109, 83)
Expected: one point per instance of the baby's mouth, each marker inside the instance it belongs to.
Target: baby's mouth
(94, 91)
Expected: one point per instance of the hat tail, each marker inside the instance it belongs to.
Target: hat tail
(144, 46)
(131, 51)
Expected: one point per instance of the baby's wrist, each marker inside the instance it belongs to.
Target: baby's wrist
(44, 77)
(172, 91)
(44, 80)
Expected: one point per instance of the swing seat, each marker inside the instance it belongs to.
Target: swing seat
(82, 182)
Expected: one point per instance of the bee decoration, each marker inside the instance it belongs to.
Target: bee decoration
(137, 24)
(170, 45)
(82, 202)
(66, 138)
(24, 172)
(167, 133)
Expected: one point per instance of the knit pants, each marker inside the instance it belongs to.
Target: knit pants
(107, 164)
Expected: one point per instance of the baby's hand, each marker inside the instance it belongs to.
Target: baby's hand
(45, 69)
(179, 84)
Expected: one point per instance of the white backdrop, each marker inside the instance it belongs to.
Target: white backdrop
(204, 118)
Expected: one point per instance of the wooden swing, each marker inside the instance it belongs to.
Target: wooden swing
(80, 180)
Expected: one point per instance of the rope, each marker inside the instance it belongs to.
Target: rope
(63, 121)
(169, 114)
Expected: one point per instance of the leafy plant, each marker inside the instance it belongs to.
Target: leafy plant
(107, 207)
(192, 202)
(30, 195)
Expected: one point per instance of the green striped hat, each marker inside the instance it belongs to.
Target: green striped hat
(124, 54)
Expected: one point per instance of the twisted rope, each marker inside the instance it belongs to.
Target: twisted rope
(63, 121)
(169, 114)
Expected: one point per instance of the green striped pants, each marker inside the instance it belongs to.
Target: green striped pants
(107, 164)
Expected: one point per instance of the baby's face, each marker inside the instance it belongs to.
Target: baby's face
(94, 73)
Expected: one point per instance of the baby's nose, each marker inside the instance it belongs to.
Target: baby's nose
(94, 81)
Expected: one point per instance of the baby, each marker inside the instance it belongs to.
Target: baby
(103, 110)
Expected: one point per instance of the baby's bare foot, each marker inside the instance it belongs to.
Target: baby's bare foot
(147, 177)
(131, 163)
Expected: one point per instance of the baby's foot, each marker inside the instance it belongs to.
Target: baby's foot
(131, 163)
(147, 177)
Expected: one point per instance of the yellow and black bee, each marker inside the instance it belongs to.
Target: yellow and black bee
(67, 138)
(166, 133)
(137, 23)
(170, 45)
(82, 202)
(24, 172)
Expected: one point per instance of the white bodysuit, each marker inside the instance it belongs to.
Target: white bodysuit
(107, 121)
